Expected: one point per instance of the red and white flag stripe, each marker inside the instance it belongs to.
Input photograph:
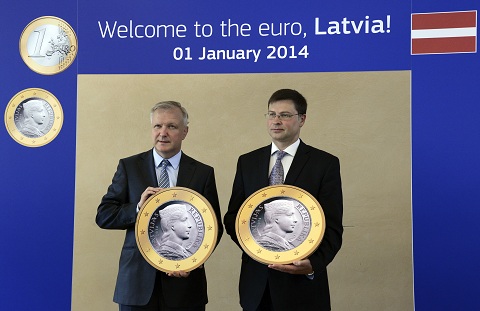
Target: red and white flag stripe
(444, 32)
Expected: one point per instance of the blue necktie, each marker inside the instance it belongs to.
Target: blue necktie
(276, 176)
(163, 181)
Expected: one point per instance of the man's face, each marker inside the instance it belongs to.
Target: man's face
(39, 116)
(182, 227)
(284, 132)
(287, 222)
(168, 131)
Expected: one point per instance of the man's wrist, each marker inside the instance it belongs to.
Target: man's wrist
(311, 276)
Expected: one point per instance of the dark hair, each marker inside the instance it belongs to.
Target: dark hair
(287, 94)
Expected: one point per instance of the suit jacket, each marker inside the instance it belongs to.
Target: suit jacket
(117, 210)
(317, 172)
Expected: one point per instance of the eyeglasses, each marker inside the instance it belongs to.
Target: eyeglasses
(281, 116)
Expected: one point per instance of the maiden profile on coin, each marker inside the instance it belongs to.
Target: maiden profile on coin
(32, 114)
(280, 224)
(176, 230)
(35, 119)
(280, 220)
(176, 227)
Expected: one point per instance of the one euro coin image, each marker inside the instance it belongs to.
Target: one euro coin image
(48, 45)
(280, 224)
(33, 117)
(176, 230)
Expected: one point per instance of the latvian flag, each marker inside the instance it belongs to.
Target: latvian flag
(445, 32)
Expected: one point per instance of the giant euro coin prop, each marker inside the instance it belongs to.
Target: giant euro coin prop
(280, 224)
(176, 230)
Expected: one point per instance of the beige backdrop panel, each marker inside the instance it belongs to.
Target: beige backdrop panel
(362, 117)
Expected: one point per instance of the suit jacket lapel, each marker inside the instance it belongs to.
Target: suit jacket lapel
(186, 171)
(263, 165)
(146, 165)
(299, 161)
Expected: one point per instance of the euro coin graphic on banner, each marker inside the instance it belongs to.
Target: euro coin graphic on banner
(176, 230)
(48, 45)
(33, 117)
(280, 224)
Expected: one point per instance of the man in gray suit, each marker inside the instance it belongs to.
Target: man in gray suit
(302, 285)
(139, 285)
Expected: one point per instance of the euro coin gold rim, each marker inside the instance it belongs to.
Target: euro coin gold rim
(203, 207)
(21, 97)
(57, 68)
(304, 249)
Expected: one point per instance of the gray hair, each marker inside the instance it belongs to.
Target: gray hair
(167, 105)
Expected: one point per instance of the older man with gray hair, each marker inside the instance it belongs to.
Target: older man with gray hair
(139, 285)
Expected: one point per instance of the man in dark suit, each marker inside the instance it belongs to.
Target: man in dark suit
(302, 285)
(139, 285)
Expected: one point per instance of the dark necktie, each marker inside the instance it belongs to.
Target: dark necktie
(276, 176)
(163, 181)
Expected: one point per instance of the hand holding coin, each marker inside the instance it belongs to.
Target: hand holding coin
(147, 193)
(297, 267)
(179, 274)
